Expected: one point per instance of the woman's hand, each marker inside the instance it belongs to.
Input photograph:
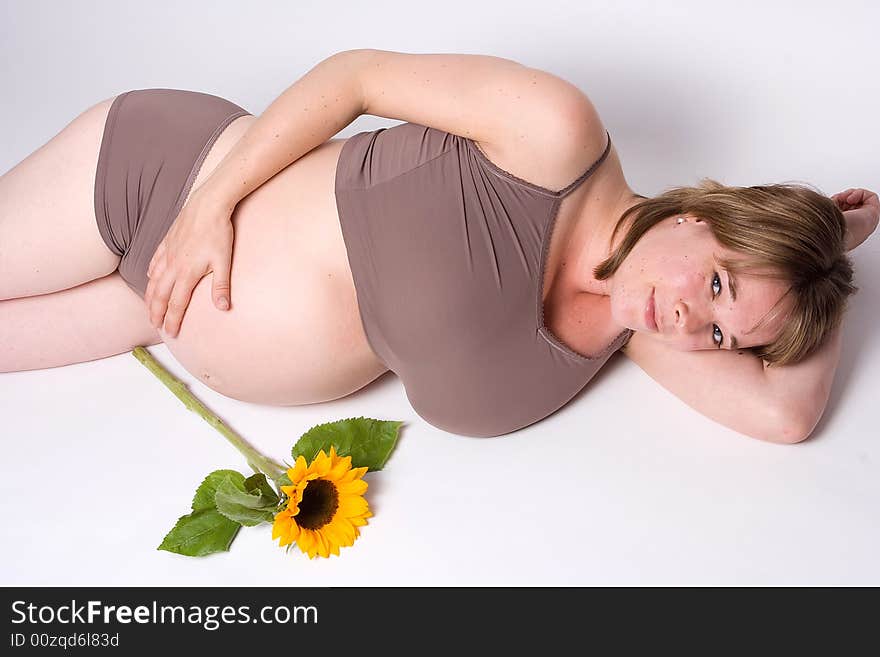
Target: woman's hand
(199, 242)
(861, 209)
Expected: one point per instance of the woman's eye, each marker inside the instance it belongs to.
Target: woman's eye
(716, 277)
(717, 335)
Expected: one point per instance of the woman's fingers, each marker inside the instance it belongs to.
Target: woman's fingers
(150, 292)
(159, 300)
(220, 284)
(198, 242)
(852, 198)
(148, 296)
(178, 302)
(169, 294)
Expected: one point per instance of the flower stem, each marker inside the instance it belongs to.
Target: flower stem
(257, 461)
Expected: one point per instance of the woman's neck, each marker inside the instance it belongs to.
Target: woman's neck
(590, 243)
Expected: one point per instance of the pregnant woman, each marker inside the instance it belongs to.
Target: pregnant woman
(489, 251)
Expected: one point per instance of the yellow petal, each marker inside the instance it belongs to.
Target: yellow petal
(323, 547)
(321, 464)
(298, 470)
(352, 506)
(356, 487)
(355, 473)
(289, 535)
(296, 497)
(339, 468)
(359, 521)
(310, 545)
(330, 544)
(306, 539)
(335, 534)
(343, 461)
(279, 528)
(293, 532)
(301, 487)
(343, 531)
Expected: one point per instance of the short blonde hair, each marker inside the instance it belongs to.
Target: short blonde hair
(786, 231)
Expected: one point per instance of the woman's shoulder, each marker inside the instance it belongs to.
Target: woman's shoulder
(551, 156)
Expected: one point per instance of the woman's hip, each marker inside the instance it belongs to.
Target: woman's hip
(154, 145)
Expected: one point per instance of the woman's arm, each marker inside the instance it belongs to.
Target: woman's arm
(733, 387)
(313, 109)
(807, 384)
(482, 97)
(861, 210)
(200, 240)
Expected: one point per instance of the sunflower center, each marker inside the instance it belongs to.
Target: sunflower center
(319, 502)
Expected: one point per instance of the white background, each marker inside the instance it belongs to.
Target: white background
(625, 485)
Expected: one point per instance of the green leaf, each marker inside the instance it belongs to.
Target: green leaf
(258, 483)
(369, 442)
(204, 497)
(201, 532)
(243, 507)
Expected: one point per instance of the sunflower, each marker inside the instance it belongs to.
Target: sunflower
(325, 505)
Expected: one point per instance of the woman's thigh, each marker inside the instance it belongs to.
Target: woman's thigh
(49, 238)
(101, 318)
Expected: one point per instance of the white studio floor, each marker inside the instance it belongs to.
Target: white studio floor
(626, 485)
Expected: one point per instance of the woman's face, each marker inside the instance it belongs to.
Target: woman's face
(674, 263)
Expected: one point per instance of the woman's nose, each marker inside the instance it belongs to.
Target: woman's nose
(687, 318)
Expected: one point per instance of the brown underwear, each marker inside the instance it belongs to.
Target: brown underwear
(154, 143)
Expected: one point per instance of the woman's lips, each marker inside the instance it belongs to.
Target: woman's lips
(651, 313)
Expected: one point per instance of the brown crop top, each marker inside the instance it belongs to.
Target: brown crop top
(447, 252)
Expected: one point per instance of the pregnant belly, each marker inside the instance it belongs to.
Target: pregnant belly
(293, 334)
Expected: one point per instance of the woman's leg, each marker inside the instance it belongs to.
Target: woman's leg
(49, 239)
(61, 299)
(66, 295)
(101, 318)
